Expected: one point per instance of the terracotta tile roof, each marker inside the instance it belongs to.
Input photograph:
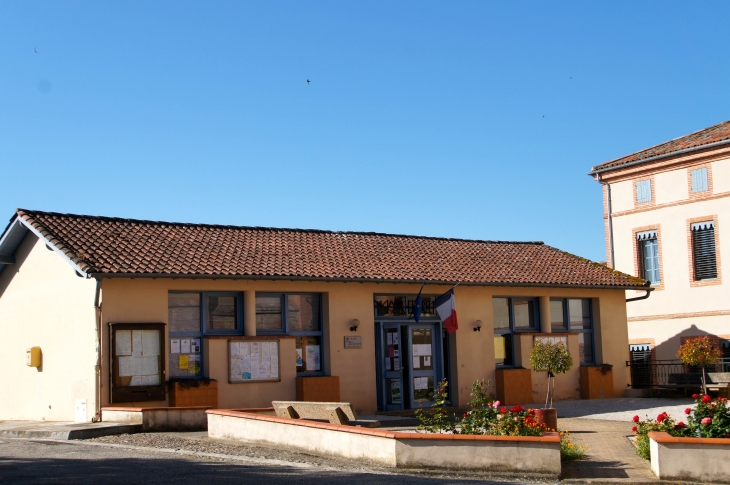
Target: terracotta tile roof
(713, 134)
(106, 245)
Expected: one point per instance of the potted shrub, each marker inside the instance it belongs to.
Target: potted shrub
(699, 352)
(553, 358)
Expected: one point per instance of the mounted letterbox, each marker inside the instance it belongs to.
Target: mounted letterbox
(33, 357)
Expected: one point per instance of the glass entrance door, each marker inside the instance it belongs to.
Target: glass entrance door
(409, 360)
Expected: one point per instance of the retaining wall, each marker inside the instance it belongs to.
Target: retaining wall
(392, 449)
(159, 419)
(696, 459)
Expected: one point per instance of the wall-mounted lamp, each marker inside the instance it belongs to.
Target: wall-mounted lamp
(478, 326)
(354, 324)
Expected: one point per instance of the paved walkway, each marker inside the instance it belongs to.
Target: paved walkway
(61, 430)
(621, 409)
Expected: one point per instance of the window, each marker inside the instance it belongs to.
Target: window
(298, 315)
(699, 180)
(512, 315)
(649, 256)
(703, 251)
(577, 317)
(643, 191)
(194, 314)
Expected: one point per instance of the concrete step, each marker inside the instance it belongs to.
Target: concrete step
(63, 430)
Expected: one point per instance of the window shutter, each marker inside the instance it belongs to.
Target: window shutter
(703, 250)
(643, 191)
(699, 180)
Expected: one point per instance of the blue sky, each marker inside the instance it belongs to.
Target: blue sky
(475, 120)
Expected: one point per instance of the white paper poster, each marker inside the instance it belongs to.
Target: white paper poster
(312, 357)
(195, 345)
(137, 343)
(416, 362)
(420, 383)
(395, 338)
(185, 346)
(150, 343)
(396, 364)
(421, 349)
(427, 361)
(123, 342)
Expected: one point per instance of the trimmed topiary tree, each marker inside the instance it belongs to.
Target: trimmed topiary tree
(699, 352)
(553, 358)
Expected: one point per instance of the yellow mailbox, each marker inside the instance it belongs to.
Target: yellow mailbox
(33, 357)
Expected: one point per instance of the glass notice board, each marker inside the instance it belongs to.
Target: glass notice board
(253, 361)
(137, 362)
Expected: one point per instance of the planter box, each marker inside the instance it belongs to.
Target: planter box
(514, 386)
(159, 419)
(203, 395)
(594, 384)
(507, 454)
(695, 459)
(318, 389)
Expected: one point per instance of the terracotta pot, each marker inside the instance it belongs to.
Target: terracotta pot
(548, 417)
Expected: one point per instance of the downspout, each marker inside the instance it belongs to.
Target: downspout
(97, 309)
(644, 297)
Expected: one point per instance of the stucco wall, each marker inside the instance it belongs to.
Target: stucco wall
(145, 300)
(44, 303)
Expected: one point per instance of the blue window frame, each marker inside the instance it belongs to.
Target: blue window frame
(649, 256)
(298, 315)
(510, 316)
(575, 315)
(699, 180)
(643, 191)
(190, 316)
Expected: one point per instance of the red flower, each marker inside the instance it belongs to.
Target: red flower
(635, 419)
(517, 409)
(706, 421)
(706, 399)
(688, 410)
(661, 418)
(679, 425)
(634, 429)
(695, 396)
(503, 410)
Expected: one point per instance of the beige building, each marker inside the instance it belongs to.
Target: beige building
(129, 313)
(666, 211)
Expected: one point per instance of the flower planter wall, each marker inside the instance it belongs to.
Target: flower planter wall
(318, 389)
(203, 395)
(510, 454)
(594, 384)
(695, 459)
(514, 386)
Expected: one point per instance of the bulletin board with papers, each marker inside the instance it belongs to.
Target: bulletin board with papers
(138, 362)
(253, 361)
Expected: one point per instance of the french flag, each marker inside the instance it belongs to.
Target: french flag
(446, 308)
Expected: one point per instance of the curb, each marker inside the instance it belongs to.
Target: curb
(73, 434)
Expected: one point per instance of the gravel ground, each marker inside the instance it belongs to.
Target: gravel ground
(200, 443)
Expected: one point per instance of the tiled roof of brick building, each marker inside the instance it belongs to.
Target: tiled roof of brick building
(698, 139)
(106, 245)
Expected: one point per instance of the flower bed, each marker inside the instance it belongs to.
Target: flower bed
(709, 419)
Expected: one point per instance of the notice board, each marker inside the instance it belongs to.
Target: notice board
(137, 363)
(253, 361)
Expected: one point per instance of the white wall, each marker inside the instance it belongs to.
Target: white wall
(44, 303)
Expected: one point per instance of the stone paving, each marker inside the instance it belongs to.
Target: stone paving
(621, 409)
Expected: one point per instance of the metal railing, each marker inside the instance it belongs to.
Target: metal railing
(647, 374)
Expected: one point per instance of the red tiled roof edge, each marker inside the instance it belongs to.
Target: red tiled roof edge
(106, 246)
(698, 140)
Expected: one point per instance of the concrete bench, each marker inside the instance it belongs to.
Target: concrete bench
(332, 412)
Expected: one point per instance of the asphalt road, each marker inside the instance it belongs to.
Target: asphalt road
(39, 461)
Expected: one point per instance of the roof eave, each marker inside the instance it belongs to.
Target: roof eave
(595, 171)
(363, 280)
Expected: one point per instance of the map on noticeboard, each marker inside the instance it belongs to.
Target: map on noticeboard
(253, 361)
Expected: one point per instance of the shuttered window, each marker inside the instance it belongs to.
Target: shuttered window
(649, 256)
(643, 191)
(699, 180)
(703, 250)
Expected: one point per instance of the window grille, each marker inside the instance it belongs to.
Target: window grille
(643, 191)
(649, 256)
(699, 180)
(703, 251)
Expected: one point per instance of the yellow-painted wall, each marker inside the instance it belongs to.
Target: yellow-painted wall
(145, 300)
(44, 303)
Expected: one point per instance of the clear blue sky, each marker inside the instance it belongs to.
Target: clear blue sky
(457, 119)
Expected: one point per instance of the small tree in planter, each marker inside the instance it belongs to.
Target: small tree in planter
(553, 358)
(699, 352)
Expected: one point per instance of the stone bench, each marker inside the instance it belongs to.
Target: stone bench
(332, 412)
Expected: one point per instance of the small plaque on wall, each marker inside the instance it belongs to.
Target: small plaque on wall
(353, 342)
